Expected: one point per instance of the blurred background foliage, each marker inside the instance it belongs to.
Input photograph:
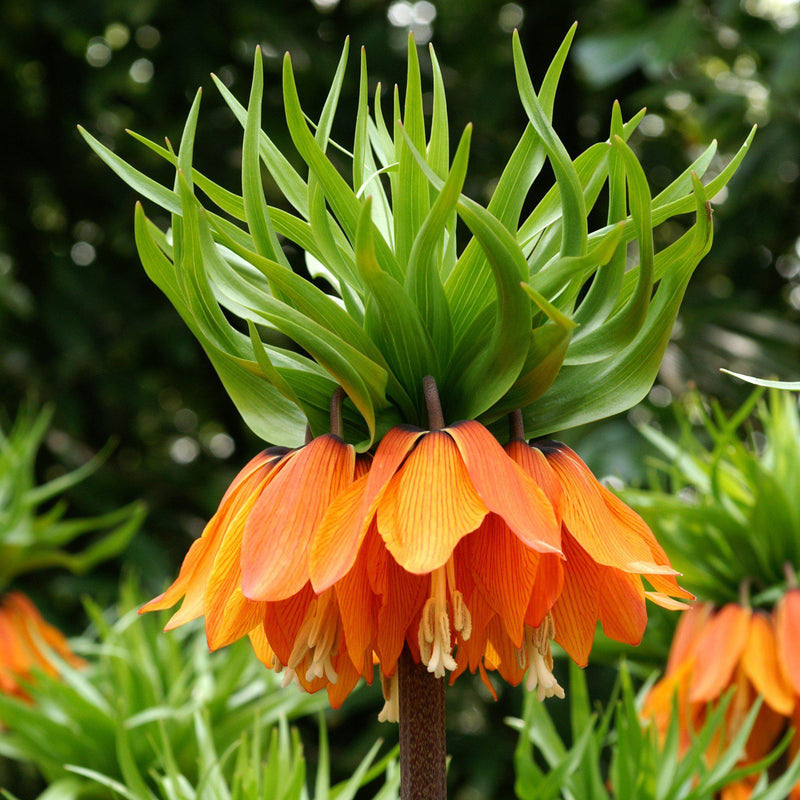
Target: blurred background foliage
(81, 326)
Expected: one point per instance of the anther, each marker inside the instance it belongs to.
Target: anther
(537, 655)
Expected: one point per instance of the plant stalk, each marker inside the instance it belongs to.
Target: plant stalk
(423, 748)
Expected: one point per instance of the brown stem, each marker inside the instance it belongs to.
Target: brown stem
(744, 593)
(423, 749)
(337, 398)
(791, 576)
(433, 404)
(516, 425)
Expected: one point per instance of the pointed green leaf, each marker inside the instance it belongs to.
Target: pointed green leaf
(393, 320)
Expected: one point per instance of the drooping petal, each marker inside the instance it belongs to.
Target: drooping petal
(760, 664)
(286, 516)
(534, 464)
(405, 595)
(606, 537)
(261, 647)
(282, 621)
(622, 608)
(547, 587)
(337, 541)
(506, 489)
(687, 633)
(429, 505)
(767, 728)
(718, 651)
(787, 628)
(504, 571)
(199, 561)
(576, 610)
(21, 606)
(502, 653)
(359, 606)
(663, 583)
(347, 678)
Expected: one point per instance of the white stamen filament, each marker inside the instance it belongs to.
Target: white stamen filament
(536, 654)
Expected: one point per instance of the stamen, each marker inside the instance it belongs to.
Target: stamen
(290, 676)
(317, 640)
(434, 635)
(462, 619)
(536, 653)
(391, 707)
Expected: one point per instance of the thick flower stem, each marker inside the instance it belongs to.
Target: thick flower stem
(423, 748)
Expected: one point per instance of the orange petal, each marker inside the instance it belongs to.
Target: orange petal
(229, 615)
(286, 516)
(664, 583)
(687, 633)
(661, 698)
(264, 653)
(576, 610)
(504, 571)
(405, 595)
(21, 606)
(503, 653)
(506, 489)
(760, 663)
(282, 621)
(390, 455)
(606, 536)
(335, 545)
(358, 607)
(346, 681)
(767, 728)
(622, 609)
(534, 464)
(429, 505)
(547, 588)
(787, 628)
(199, 561)
(718, 651)
(667, 602)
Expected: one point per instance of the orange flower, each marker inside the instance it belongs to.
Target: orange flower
(444, 532)
(25, 642)
(734, 648)
(257, 541)
(444, 543)
(608, 549)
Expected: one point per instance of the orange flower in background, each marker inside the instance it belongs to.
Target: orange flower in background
(26, 644)
(472, 556)
(751, 653)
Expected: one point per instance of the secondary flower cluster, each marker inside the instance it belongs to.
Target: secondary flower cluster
(26, 645)
(472, 555)
(733, 648)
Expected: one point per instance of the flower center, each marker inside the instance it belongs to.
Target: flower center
(434, 636)
(317, 641)
(536, 656)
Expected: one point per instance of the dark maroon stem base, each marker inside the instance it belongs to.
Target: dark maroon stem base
(423, 748)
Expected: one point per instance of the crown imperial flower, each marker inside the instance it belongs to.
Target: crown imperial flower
(391, 537)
